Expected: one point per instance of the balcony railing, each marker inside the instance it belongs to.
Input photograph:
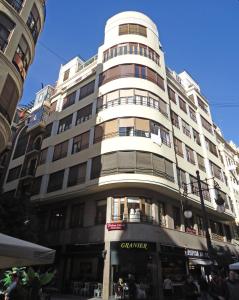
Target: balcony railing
(217, 237)
(16, 4)
(133, 218)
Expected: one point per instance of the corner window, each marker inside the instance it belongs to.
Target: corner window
(6, 26)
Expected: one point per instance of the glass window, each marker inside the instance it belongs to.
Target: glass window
(16, 4)
(192, 114)
(57, 218)
(68, 100)
(84, 114)
(182, 104)
(65, 124)
(66, 75)
(181, 178)
(13, 173)
(177, 218)
(186, 128)
(81, 142)
(101, 212)
(87, 89)
(190, 155)
(178, 145)
(34, 23)
(206, 125)
(201, 163)
(60, 150)
(43, 156)
(22, 57)
(6, 26)
(175, 119)
(132, 29)
(36, 186)
(77, 215)
(55, 181)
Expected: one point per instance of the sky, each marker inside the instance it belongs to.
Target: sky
(201, 37)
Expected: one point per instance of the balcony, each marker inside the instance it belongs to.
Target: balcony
(136, 217)
(37, 120)
(16, 4)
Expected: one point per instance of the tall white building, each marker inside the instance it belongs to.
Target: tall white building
(108, 163)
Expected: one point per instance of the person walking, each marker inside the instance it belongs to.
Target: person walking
(190, 289)
(168, 288)
(217, 287)
(232, 286)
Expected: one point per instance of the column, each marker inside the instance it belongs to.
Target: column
(106, 274)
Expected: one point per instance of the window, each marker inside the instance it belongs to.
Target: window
(84, 114)
(199, 221)
(216, 171)
(132, 29)
(65, 124)
(48, 130)
(34, 23)
(196, 137)
(186, 128)
(161, 214)
(55, 181)
(192, 115)
(194, 185)
(157, 129)
(100, 212)
(171, 95)
(211, 147)
(9, 98)
(77, 174)
(21, 144)
(57, 218)
(178, 147)
(80, 142)
(77, 215)
(95, 167)
(202, 105)
(66, 75)
(22, 57)
(6, 26)
(14, 174)
(16, 4)
(175, 119)
(131, 70)
(189, 155)
(177, 218)
(216, 228)
(36, 186)
(206, 125)
(69, 100)
(227, 232)
(60, 151)
(181, 175)
(43, 156)
(87, 89)
(182, 104)
(201, 163)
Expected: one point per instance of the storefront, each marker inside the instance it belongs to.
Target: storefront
(137, 260)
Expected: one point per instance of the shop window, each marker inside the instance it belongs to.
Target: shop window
(57, 219)
(6, 27)
(55, 181)
(9, 98)
(87, 89)
(181, 178)
(77, 174)
(80, 142)
(132, 29)
(101, 212)
(13, 173)
(178, 146)
(175, 119)
(84, 114)
(77, 215)
(60, 151)
(65, 124)
(22, 57)
(186, 128)
(177, 218)
(34, 23)
(68, 100)
(36, 186)
(16, 4)
(182, 104)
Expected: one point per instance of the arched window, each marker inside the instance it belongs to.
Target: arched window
(6, 26)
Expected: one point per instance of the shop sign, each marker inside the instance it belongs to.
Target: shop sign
(196, 253)
(116, 226)
(134, 245)
(191, 230)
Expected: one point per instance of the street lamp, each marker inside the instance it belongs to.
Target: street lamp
(220, 207)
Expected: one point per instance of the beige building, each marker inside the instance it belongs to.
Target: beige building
(21, 21)
(110, 156)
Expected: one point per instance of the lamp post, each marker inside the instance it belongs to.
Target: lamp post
(220, 203)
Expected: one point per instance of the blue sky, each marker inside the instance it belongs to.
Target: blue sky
(201, 37)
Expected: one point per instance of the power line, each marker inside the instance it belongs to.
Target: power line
(53, 52)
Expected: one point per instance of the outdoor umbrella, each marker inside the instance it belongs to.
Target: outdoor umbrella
(16, 253)
(234, 266)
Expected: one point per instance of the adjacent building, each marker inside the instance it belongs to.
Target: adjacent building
(110, 156)
(21, 22)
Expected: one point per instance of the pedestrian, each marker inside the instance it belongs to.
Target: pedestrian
(168, 288)
(233, 286)
(217, 287)
(119, 289)
(190, 289)
(203, 288)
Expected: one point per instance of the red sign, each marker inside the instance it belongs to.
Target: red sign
(116, 226)
(191, 230)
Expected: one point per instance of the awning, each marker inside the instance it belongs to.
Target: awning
(16, 253)
(200, 261)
